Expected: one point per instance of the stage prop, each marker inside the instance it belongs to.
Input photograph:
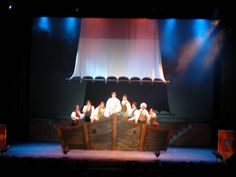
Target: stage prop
(3, 138)
(114, 133)
(226, 143)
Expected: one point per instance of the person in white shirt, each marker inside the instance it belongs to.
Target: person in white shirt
(134, 113)
(112, 105)
(87, 111)
(125, 107)
(144, 115)
(98, 113)
(153, 118)
(76, 115)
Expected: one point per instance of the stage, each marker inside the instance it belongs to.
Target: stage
(175, 161)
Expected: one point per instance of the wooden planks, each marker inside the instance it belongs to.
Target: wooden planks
(156, 139)
(114, 133)
(128, 135)
(100, 134)
(72, 137)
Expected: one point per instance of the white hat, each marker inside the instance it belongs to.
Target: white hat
(143, 105)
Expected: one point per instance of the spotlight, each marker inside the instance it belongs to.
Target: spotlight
(10, 7)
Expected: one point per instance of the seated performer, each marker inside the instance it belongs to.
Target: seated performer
(98, 113)
(112, 105)
(76, 115)
(125, 106)
(153, 118)
(87, 111)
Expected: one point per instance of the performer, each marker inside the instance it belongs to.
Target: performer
(112, 105)
(125, 106)
(98, 113)
(153, 118)
(134, 113)
(76, 115)
(143, 114)
(133, 109)
(87, 111)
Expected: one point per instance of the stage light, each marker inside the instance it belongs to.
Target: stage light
(10, 7)
(70, 24)
(200, 27)
(169, 37)
(44, 24)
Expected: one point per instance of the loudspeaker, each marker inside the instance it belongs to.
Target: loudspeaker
(226, 143)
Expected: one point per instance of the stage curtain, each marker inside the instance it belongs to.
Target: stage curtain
(118, 47)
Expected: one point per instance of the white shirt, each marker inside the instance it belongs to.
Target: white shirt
(94, 115)
(112, 106)
(145, 113)
(153, 115)
(131, 111)
(128, 105)
(137, 114)
(74, 117)
(87, 108)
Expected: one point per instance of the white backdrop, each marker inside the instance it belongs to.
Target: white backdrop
(118, 47)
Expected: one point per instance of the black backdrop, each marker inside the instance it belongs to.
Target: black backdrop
(153, 94)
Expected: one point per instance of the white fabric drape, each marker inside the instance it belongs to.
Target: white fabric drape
(118, 47)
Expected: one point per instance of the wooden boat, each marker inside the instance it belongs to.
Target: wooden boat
(113, 133)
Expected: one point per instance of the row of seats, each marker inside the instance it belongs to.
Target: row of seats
(120, 79)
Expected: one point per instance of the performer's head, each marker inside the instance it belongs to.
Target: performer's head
(134, 105)
(124, 97)
(143, 105)
(113, 94)
(77, 107)
(88, 102)
(102, 104)
(151, 110)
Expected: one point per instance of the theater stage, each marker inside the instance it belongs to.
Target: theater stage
(175, 161)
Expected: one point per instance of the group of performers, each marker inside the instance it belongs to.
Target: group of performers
(115, 106)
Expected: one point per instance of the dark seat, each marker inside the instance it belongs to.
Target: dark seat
(135, 79)
(123, 79)
(87, 79)
(100, 78)
(112, 79)
(146, 79)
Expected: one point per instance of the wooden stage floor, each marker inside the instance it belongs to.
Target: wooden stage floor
(175, 161)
